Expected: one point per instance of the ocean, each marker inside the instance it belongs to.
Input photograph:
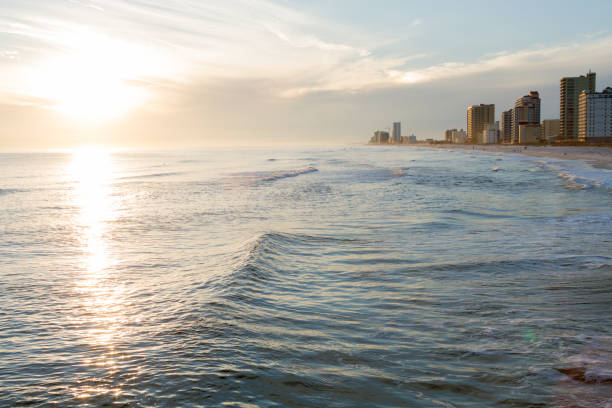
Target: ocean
(330, 277)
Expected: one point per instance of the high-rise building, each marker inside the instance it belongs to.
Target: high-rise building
(448, 135)
(550, 129)
(478, 117)
(455, 136)
(506, 126)
(570, 90)
(458, 136)
(529, 133)
(526, 112)
(595, 116)
(491, 134)
(397, 132)
(380, 136)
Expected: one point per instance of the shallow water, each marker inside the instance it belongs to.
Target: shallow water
(354, 277)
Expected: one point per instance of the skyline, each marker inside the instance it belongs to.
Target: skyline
(259, 72)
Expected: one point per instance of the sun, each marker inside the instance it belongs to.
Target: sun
(86, 90)
(96, 78)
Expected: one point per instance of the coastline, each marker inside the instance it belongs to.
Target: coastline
(598, 157)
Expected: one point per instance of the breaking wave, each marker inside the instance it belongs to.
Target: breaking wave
(6, 191)
(579, 175)
(291, 173)
(151, 175)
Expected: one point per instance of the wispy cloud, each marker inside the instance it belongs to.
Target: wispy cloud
(311, 41)
(9, 54)
(531, 66)
(596, 34)
(188, 42)
(184, 40)
(542, 60)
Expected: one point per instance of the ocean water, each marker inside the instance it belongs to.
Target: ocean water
(344, 277)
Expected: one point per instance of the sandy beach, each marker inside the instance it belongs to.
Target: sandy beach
(600, 157)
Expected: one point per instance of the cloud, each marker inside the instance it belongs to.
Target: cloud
(544, 60)
(509, 69)
(191, 41)
(311, 41)
(593, 35)
(193, 61)
(9, 54)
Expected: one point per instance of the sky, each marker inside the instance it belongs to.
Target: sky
(191, 73)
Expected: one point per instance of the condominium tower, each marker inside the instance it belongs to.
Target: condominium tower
(526, 112)
(448, 135)
(595, 116)
(570, 90)
(506, 126)
(478, 117)
(550, 129)
(397, 132)
(491, 134)
(459, 136)
(380, 137)
(455, 136)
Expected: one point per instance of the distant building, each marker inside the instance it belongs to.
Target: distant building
(448, 135)
(397, 132)
(506, 126)
(550, 129)
(491, 134)
(478, 117)
(595, 116)
(455, 136)
(380, 137)
(528, 133)
(412, 139)
(570, 90)
(459, 136)
(526, 112)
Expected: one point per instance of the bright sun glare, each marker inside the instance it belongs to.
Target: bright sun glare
(88, 91)
(94, 80)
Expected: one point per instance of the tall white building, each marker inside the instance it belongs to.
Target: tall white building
(397, 132)
(595, 116)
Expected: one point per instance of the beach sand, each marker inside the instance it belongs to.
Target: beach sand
(600, 157)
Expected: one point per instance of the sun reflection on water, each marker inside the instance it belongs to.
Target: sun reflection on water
(99, 310)
(92, 170)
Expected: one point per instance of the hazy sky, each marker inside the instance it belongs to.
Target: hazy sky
(153, 73)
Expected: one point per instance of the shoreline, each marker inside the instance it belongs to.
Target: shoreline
(598, 157)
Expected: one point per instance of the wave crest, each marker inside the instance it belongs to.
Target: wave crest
(6, 191)
(291, 173)
(580, 178)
